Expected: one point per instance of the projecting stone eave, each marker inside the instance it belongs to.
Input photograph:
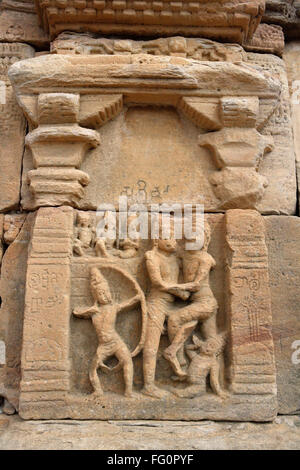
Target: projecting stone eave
(131, 75)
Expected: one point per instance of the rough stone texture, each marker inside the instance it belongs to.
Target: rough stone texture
(283, 235)
(12, 292)
(241, 145)
(19, 23)
(267, 38)
(285, 13)
(292, 60)
(15, 434)
(12, 128)
(233, 21)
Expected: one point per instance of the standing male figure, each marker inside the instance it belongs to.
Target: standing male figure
(163, 269)
(103, 314)
(203, 307)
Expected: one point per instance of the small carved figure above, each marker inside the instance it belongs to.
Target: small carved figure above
(84, 233)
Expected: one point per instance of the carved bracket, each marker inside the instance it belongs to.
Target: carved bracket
(237, 149)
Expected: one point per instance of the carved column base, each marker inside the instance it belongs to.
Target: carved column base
(57, 186)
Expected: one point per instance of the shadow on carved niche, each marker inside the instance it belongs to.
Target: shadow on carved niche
(130, 296)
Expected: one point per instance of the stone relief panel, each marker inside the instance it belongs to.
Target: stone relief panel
(267, 38)
(145, 330)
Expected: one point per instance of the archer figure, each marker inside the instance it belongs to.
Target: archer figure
(103, 314)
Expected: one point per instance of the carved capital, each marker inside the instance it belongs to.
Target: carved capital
(238, 149)
(58, 147)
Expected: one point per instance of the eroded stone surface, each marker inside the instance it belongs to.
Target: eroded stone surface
(285, 13)
(198, 49)
(283, 434)
(267, 38)
(278, 166)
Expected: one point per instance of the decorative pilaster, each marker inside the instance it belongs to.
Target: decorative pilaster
(252, 367)
(45, 352)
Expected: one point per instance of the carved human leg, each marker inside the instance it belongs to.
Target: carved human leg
(180, 338)
(180, 326)
(97, 361)
(125, 359)
(151, 346)
(209, 326)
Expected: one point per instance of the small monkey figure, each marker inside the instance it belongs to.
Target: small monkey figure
(204, 363)
(103, 314)
(85, 234)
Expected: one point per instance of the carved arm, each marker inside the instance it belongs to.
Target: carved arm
(130, 303)
(86, 312)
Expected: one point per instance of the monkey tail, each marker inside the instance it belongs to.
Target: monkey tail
(144, 327)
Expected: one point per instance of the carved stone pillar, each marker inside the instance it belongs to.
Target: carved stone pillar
(45, 352)
(252, 370)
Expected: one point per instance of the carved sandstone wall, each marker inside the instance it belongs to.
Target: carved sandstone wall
(108, 326)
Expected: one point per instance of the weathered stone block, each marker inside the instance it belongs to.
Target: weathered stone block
(12, 292)
(12, 128)
(19, 23)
